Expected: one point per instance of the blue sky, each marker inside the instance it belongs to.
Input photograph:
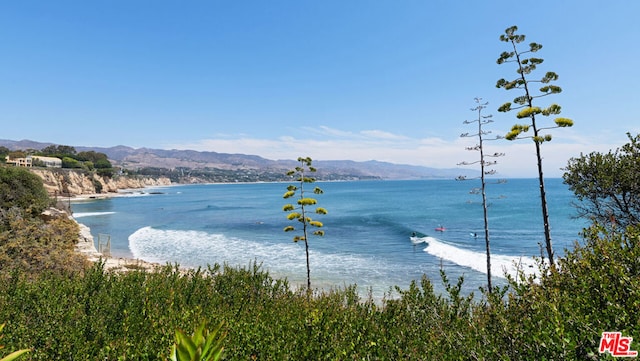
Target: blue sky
(385, 80)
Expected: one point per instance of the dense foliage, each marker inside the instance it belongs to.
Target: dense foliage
(58, 150)
(34, 245)
(23, 190)
(89, 160)
(4, 151)
(608, 185)
(28, 241)
(14, 355)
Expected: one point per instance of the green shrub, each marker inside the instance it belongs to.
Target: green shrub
(22, 189)
(595, 288)
(14, 355)
(203, 345)
(97, 185)
(68, 162)
(35, 245)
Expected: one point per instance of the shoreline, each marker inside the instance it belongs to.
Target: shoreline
(120, 193)
(85, 245)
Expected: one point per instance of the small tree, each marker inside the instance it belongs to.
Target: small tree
(59, 150)
(528, 110)
(300, 211)
(68, 162)
(92, 156)
(608, 185)
(484, 171)
(103, 168)
(17, 154)
(4, 151)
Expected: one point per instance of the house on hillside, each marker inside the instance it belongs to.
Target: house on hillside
(18, 162)
(49, 162)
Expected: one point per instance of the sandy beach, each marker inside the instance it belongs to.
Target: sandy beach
(86, 247)
(86, 243)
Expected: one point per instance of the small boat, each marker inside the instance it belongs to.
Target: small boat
(440, 229)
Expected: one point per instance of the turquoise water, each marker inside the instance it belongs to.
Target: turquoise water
(368, 229)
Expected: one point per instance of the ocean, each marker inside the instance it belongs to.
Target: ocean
(368, 230)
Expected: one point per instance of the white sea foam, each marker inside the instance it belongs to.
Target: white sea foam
(133, 193)
(500, 264)
(197, 248)
(90, 214)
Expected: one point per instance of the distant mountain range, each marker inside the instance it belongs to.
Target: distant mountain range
(140, 158)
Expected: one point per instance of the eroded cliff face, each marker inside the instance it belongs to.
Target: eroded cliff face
(69, 182)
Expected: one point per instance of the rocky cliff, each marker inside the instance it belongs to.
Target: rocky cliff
(69, 182)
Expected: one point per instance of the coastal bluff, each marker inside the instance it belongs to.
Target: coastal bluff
(86, 247)
(72, 183)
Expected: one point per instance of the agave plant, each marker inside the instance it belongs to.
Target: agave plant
(14, 355)
(300, 213)
(203, 345)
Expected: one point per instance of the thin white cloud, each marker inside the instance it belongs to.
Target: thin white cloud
(363, 134)
(336, 132)
(380, 134)
(328, 131)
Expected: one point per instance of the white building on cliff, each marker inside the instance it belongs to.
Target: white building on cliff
(28, 161)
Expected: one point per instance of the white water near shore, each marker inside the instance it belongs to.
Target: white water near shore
(501, 265)
(90, 214)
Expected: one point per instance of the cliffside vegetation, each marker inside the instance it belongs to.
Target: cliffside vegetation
(22, 191)
(85, 172)
(28, 241)
(92, 161)
(89, 160)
